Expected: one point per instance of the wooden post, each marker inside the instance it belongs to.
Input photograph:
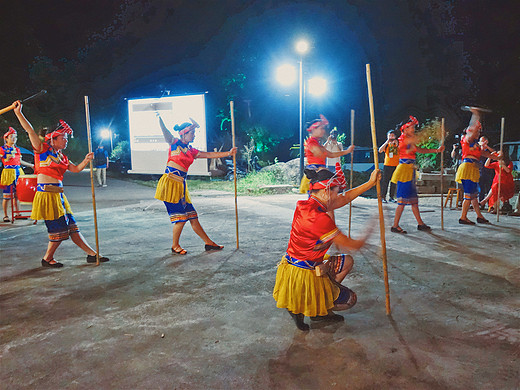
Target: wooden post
(352, 113)
(378, 187)
(497, 204)
(232, 109)
(89, 137)
(442, 175)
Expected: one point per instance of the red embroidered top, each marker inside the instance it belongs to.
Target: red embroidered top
(182, 154)
(470, 150)
(312, 231)
(406, 151)
(311, 158)
(10, 155)
(51, 163)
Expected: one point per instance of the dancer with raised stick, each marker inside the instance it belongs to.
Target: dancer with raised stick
(50, 203)
(232, 110)
(89, 138)
(468, 173)
(172, 188)
(12, 106)
(378, 188)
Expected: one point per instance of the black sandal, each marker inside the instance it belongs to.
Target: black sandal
(179, 251)
(398, 230)
(213, 247)
(298, 320)
(6, 219)
(46, 263)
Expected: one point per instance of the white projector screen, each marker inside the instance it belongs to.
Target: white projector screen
(148, 149)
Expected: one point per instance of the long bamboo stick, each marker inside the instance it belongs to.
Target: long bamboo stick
(232, 109)
(497, 205)
(89, 137)
(352, 113)
(442, 175)
(378, 187)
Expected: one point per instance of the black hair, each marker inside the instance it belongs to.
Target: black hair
(391, 132)
(181, 126)
(507, 158)
(309, 124)
(316, 176)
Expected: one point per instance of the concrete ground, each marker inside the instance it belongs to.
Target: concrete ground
(152, 320)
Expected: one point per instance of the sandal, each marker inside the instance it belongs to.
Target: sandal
(6, 219)
(46, 263)
(213, 247)
(398, 230)
(179, 251)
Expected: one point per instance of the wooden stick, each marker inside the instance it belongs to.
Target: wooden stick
(232, 109)
(11, 107)
(497, 205)
(352, 113)
(89, 136)
(378, 187)
(442, 175)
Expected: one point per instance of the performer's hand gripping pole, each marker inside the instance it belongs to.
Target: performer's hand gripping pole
(352, 113)
(378, 187)
(232, 109)
(89, 137)
(11, 107)
(442, 174)
(497, 206)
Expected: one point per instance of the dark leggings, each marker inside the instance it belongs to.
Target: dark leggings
(388, 171)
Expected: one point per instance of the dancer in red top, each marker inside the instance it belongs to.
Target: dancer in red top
(307, 282)
(50, 204)
(172, 189)
(503, 169)
(12, 161)
(404, 175)
(315, 153)
(468, 173)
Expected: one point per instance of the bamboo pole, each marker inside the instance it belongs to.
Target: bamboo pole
(232, 110)
(497, 205)
(89, 137)
(378, 187)
(352, 113)
(442, 175)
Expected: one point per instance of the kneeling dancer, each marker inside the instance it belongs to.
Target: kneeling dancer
(172, 189)
(307, 283)
(50, 203)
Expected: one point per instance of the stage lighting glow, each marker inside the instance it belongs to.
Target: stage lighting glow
(317, 86)
(286, 74)
(105, 133)
(302, 46)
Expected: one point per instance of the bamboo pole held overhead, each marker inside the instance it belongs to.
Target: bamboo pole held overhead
(378, 187)
(89, 137)
(232, 110)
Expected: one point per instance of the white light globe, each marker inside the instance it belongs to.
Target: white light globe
(317, 86)
(286, 74)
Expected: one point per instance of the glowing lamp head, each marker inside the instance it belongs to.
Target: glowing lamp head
(302, 46)
(286, 74)
(317, 86)
(105, 134)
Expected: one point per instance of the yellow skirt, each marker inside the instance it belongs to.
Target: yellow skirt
(301, 291)
(468, 171)
(48, 206)
(169, 190)
(304, 185)
(403, 173)
(9, 176)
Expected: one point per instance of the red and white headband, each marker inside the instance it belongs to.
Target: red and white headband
(322, 122)
(9, 132)
(412, 122)
(62, 129)
(193, 126)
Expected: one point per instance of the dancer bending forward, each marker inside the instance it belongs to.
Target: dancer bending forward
(307, 282)
(172, 189)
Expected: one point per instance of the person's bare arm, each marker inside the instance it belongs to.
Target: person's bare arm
(230, 153)
(33, 137)
(352, 194)
(78, 168)
(168, 136)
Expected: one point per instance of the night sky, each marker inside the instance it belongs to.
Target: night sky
(427, 58)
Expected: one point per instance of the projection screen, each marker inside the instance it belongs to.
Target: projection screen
(148, 150)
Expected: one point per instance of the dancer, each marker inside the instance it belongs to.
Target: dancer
(468, 172)
(503, 169)
(172, 189)
(11, 160)
(486, 174)
(404, 175)
(332, 145)
(50, 203)
(315, 153)
(391, 150)
(306, 285)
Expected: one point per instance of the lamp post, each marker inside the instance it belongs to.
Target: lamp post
(302, 47)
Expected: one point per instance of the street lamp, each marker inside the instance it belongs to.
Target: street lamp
(105, 134)
(302, 47)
